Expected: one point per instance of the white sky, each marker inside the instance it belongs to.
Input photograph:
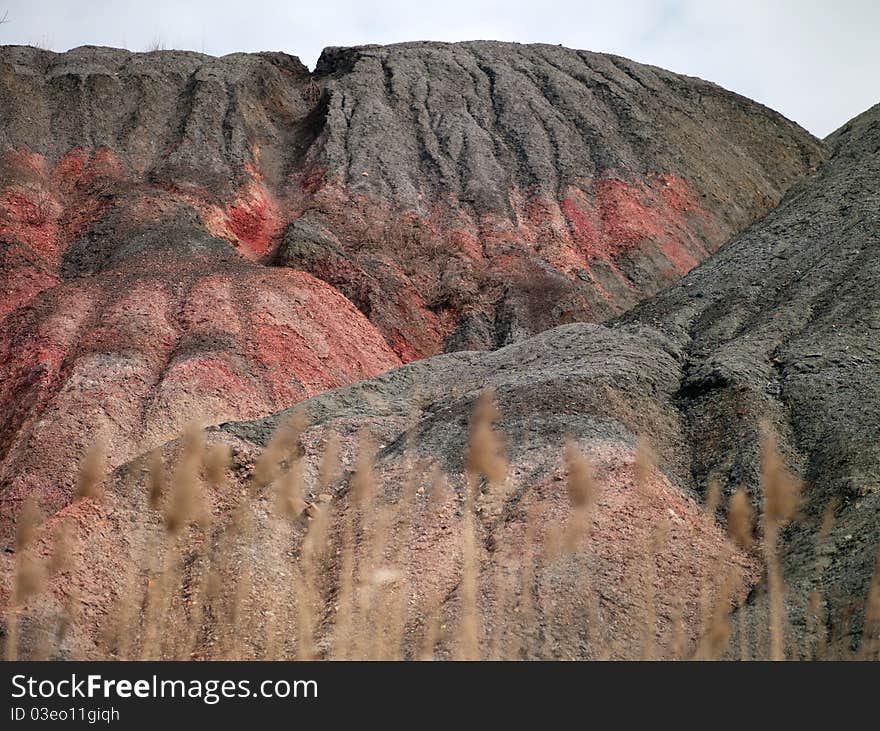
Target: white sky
(816, 62)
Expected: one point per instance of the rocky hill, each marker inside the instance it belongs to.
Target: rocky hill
(239, 240)
(186, 236)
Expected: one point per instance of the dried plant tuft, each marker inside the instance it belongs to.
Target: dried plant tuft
(740, 519)
(91, 471)
(62, 548)
(184, 500)
(644, 466)
(329, 469)
(30, 577)
(281, 446)
(582, 495)
(155, 479)
(485, 448)
(713, 497)
(289, 500)
(363, 482)
(217, 458)
(29, 519)
(781, 488)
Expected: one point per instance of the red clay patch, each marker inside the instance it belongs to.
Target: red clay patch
(183, 336)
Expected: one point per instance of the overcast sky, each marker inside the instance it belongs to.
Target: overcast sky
(816, 62)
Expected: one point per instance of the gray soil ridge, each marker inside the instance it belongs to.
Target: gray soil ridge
(473, 119)
(783, 323)
(490, 116)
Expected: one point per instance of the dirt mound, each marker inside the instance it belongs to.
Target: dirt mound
(460, 196)
(598, 386)
(440, 187)
(535, 183)
(133, 353)
(186, 236)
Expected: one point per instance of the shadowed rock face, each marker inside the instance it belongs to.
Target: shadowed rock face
(782, 323)
(186, 236)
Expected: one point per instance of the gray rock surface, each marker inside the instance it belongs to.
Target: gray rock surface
(476, 119)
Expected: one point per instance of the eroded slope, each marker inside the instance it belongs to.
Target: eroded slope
(152, 207)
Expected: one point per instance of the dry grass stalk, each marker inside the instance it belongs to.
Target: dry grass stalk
(156, 479)
(485, 448)
(781, 501)
(92, 469)
(644, 466)
(185, 504)
(781, 488)
(363, 481)
(740, 529)
(641, 581)
(741, 519)
(62, 548)
(282, 445)
(204, 600)
(345, 601)
(816, 634)
(439, 490)
(330, 468)
(401, 540)
(29, 519)
(713, 497)
(468, 645)
(715, 641)
(485, 458)
(157, 601)
(314, 546)
(582, 495)
(289, 507)
(504, 582)
(289, 494)
(374, 579)
(217, 458)
(164, 636)
(29, 577)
